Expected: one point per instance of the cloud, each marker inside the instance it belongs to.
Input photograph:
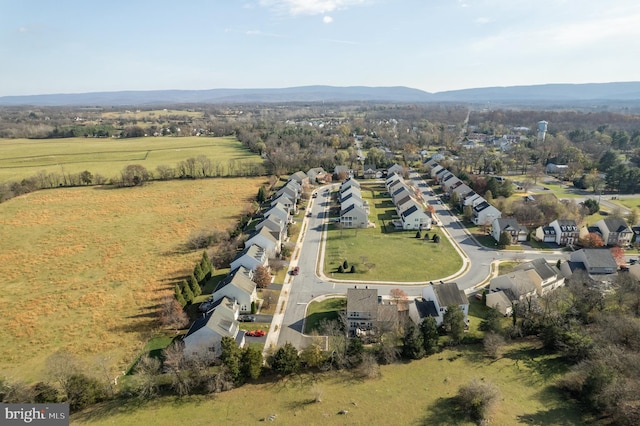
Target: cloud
(327, 19)
(23, 30)
(310, 7)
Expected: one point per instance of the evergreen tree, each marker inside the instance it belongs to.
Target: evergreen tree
(262, 194)
(345, 265)
(453, 323)
(412, 342)
(198, 273)
(505, 239)
(340, 269)
(251, 362)
(355, 350)
(187, 293)
(492, 321)
(194, 286)
(418, 234)
(206, 265)
(430, 335)
(286, 360)
(230, 355)
(353, 269)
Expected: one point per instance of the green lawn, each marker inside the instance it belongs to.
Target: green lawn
(328, 309)
(384, 254)
(23, 158)
(630, 203)
(561, 190)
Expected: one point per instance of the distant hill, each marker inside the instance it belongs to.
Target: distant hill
(550, 93)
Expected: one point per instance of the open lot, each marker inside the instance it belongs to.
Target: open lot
(412, 393)
(23, 158)
(385, 254)
(84, 268)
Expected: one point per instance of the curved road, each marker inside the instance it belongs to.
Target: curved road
(311, 282)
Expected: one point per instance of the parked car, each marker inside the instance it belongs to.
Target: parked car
(633, 261)
(314, 195)
(295, 270)
(255, 333)
(247, 318)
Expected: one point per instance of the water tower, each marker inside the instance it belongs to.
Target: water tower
(542, 130)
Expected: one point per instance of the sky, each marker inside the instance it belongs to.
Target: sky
(70, 46)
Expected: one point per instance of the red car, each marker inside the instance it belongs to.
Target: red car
(255, 333)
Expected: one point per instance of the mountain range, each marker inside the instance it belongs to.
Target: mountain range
(579, 94)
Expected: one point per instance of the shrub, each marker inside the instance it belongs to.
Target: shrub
(345, 265)
(340, 269)
(83, 391)
(476, 399)
(353, 269)
(418, 234)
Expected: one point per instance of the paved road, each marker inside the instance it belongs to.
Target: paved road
(311, 282)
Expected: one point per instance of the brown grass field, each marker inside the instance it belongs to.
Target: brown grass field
(84, 268)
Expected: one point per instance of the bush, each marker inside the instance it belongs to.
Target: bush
(345, 265)
(353, 269)
(476, 399)
(340, 269)
(83, 391)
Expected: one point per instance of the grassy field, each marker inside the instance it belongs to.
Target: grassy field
(630, 203)
(84, 268)
(150, 114)
(384, 254)
(326, 309)
(23, 158)
(415, 393)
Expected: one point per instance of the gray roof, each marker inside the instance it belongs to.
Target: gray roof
(567, 225)
(541, 266)
(616, 224)
(362, 300)
(549, 230)
(239, 278)
(509, 223)
(599, 258)
(449, 294)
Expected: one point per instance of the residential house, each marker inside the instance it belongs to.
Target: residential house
(511, 226)
(436, 298)
(566, 231)
(369, 171)
(415, 218)
(435, 170)
(279, 212)
(431, 163)
(348, 184)
(449, 183)
(484, 213)
(471, 199)
(206, 333)
(596, 261)
(546, 234)
(391, 178)
(288, 191)
(265, 239)
(400, 192)
(505, 291)
(440, 175)
(277, 227)
(251, 257)
(354, 216)
(557, 169)
(362, 310)
(547, 278)
(396, 168)
(615, 231)
(238, 285)
(461, 191)
(314, 173)
(286, 202)
(342, 172)
(300, 177)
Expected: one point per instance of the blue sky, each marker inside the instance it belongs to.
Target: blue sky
(70, 46)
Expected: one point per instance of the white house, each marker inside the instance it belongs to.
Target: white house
(251, 257)
(238, 286)
(517, 232)
(435, 300)
(396, 168)
(279, 212)
(286, 202)
(354, 216)
(205, 334)
(415, 218)
(484, 213)
(277, 227)
(266, 240)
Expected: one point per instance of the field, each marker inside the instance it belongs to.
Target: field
(23, 158)
(415, 393)
(383, 254)
(84, 268)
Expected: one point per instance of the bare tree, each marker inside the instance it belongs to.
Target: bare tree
(171, 313)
